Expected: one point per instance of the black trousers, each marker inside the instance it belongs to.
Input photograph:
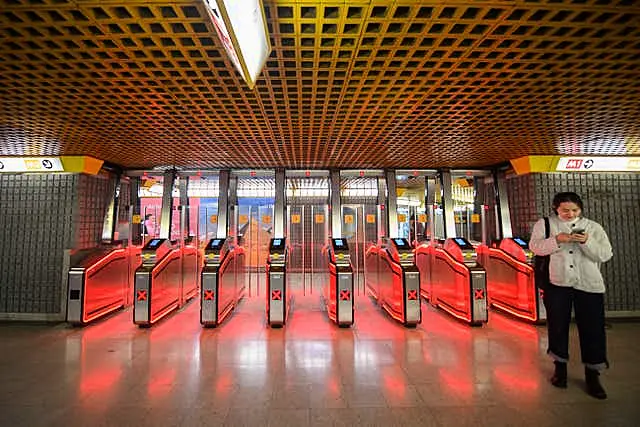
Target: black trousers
(589, 310)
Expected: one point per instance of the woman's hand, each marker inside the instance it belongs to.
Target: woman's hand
(564, 237)
(580, 238)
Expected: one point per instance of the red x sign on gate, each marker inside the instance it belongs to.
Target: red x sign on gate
(141, 295)
(276, 295)
(208, 295)
(412, 295)
(345, 295)
(478, 293)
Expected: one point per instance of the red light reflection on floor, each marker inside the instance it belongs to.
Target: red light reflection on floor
(224, 384)
(394, 385)
(523, 380)
(454, 381)
(100, 380)
(525, 331)
(160, 383)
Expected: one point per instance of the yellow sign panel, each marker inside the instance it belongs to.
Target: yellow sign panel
(348, 219)
(266, 219)
(422, 218)
(402, 218)
(213, 219)
(136, 219)
(457, 219)
(475, 218)
(371, 219)
(242, 219)
(295, 219)
(319, 219)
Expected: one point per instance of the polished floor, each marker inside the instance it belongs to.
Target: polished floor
(309, 373)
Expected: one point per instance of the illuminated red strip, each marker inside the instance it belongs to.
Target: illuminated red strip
(516, 313)
(466, 317)
(157, 269)
(164, 312)
(105, 310)
(107, 259)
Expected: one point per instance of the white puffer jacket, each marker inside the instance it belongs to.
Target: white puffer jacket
(573, 264)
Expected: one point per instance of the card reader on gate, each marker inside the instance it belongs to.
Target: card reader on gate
(154, 250)
(469, 255)
(340, 251)
(277, 250)
(401, 250)
(213, 252)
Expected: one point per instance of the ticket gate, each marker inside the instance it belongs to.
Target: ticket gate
(393, 279)
(220, 290)
(511, 280)
(98, 283)
(277, 297)
(457, 282)
(339, 291)
(157, 282)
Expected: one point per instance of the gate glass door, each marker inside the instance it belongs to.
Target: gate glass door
(307, 199)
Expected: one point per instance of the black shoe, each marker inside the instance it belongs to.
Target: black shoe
(594, 388)
(559, 378)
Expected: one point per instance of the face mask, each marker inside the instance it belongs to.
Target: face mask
(571, 221)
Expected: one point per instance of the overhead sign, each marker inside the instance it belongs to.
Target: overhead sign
(598, 164)
(31, 164)
(242, 29)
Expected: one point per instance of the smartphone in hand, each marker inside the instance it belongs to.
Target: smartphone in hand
(577, 231)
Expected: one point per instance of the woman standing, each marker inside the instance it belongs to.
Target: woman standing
(577, 246)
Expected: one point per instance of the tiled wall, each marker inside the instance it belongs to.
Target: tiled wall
(613, 200)
(36, 226)
(42, 217)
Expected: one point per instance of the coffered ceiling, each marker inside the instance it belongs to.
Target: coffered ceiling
(354, 84)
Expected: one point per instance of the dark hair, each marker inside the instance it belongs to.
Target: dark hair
(567, 196)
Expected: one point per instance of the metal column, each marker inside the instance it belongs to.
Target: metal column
(336, 208)
(167, 204)
(392, 205)
(223, 203)
(447, 204)
(502, 204)
(279, 211)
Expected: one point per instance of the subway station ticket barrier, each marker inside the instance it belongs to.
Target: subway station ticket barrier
(338, 294)
(99, 282)
(278, 299)
(222, 281)
(166, 280)
(453, 280)
(392, 278)
(511, 280)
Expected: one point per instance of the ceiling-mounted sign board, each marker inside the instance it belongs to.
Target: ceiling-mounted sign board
(599, 164)
(241, 27)
(72, 164)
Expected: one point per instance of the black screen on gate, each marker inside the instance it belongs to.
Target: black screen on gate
(461, 242)
(215, 244)
(519, 241)
(401, 243)
(277, 244)
(153, 244)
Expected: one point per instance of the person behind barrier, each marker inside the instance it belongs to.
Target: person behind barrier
(577, 246)
(147, 225)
